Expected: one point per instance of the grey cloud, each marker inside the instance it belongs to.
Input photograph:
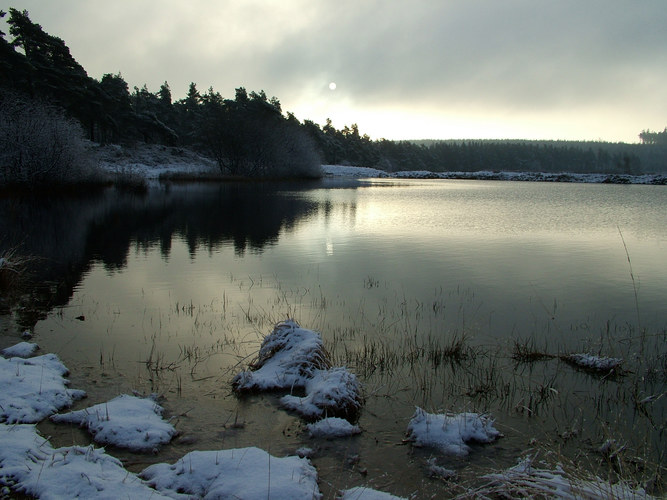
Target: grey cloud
(545, 54)
(513, 55)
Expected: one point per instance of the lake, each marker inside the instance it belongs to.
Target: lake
(429, 290)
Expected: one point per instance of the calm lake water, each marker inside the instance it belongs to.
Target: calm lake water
(171, 292)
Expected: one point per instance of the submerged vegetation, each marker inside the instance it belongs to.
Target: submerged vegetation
(405, 357)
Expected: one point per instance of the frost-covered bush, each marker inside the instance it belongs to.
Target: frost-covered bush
(39, 145)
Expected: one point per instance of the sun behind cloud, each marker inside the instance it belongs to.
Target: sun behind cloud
(332, 86)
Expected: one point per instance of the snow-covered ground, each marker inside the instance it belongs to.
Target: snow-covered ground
(150, 161)
(347, 171)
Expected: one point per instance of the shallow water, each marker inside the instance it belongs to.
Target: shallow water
(172, 292)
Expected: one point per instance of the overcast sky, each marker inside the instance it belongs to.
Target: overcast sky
(533, 69)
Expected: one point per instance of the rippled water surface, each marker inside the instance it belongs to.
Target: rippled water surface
(171, 292)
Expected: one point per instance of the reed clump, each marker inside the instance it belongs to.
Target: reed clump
(525, 351)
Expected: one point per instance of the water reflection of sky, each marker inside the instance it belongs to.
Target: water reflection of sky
(506, 258)
(532, 255)
(207, 271)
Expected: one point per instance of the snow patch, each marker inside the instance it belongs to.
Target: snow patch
(292, 357)
(449, 433)
(248, 473)
(363, 493)
(33, 389)
(333, 392)
(126, 422)
(525, 480)
(333, 427)
(593, 363)
(20, 350)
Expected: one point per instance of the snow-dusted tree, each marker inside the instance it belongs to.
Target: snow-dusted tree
(39, 145)
(250, 137)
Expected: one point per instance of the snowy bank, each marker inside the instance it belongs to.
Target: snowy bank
(126, 422)
(449, 433)
(363, 172)
(30, 465)
(33, 389)
(150, 161)
(349, 171)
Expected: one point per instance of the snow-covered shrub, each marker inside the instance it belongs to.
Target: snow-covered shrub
(39, 145)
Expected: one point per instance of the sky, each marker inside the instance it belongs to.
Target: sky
(424, 69)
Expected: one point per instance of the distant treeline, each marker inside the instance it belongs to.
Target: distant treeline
(250, 135)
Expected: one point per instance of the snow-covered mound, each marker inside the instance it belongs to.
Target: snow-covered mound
(288, 357)
(292, 357)
(126, 422)
(20, 350)
(524, 480)
(30, 465)
(449, 433)
(333, 392)
(150, 161)
(248, 473)
(33, 389)
(594, 363)
(333, 427)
